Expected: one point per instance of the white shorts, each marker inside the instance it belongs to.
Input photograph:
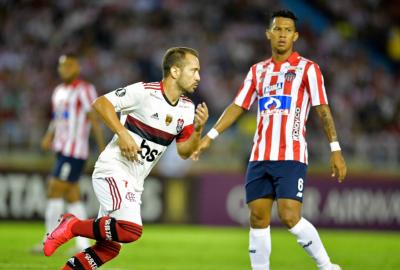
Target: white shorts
(117, 196)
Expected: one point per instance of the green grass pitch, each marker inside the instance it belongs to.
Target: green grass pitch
(170, 247)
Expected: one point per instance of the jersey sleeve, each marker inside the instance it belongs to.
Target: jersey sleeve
(88, 95)
(247, 92)
(188, 127)
(127, 98)
(315, 85)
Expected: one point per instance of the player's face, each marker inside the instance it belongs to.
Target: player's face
(68, 68)
(190, 74)
(282, 34)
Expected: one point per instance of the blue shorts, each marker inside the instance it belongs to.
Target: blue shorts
(279, 179)
(68, 168)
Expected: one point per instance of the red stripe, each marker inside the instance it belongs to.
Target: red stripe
(268, 135)
(250, 91)
(185, 133)
(282, 141)
(288, 85)
(111, 192)
(150, 130)
(300, 96)
(260, 123)
(152, 88)
(117, 191)
(319, 84)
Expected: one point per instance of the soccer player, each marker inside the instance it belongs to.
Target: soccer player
(68, 136)
(151, 116)
(285, 87)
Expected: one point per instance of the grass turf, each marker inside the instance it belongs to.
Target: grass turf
(170, 247)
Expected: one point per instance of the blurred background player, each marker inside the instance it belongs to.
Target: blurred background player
(152, 116)
(285, 87)
(68, 136)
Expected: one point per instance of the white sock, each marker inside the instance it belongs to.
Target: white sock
(54, 209)
(260, 248)
(78, 209)
(308, 238)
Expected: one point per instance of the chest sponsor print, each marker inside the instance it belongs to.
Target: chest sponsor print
(279, 104)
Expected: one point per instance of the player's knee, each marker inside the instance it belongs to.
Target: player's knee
(128, 231)
(259, 220)
(289, 218)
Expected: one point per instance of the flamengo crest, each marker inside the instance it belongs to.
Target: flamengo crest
(179, 125)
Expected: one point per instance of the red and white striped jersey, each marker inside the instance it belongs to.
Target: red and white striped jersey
(285, 91)
(70, 105)
(152, 121)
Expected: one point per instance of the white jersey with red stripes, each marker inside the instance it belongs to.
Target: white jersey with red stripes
(70, 105)
(285, 91)
(153, 122)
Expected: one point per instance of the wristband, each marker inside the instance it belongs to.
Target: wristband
(335, 146)
(212, 134)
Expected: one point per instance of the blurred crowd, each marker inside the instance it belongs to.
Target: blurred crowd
(356, 43)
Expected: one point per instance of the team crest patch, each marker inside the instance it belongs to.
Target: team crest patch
(130, 196)
(168, 119)
(289, 76)
(179, 125)
(120, 92)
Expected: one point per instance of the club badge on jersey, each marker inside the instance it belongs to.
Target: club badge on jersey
(179, 125)
(279, 104)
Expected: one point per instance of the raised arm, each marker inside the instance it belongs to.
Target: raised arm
(106, 111)
(186, 148)
(338, 165)
(228, 117)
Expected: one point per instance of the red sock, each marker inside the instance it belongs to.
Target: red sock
(107, 228)
(93, 257)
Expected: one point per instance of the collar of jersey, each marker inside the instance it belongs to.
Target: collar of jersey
(293, 59)
(165, 97)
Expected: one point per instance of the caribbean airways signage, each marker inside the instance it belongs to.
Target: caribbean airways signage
(359, 202)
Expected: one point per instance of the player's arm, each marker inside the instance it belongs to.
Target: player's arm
(185, 149)
(228, 117)
(48, 137)
(96, 130)
(338, 165)
(105, 109)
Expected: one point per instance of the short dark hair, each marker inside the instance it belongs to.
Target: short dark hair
(285, 13)
(175, 56)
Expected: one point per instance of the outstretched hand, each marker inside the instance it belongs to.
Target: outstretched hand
(338, 166)
(201, 116)
(204, 144)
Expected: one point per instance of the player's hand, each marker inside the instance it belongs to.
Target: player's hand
(127, 145)
(201, 116)
(46, 142)
(338, 166)
(204, 144)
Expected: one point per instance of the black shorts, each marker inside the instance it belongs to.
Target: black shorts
(279, 179)
(68, 168)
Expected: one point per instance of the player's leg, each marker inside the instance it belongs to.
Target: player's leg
(259, 196)
(56, 189)
(260, 235)
(290, 182)
(119, 221)
(76, 207)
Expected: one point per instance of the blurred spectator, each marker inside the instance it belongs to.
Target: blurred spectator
(121, 41)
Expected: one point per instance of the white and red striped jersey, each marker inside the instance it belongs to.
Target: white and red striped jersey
(70, 105)
(152, 121)
(285, 91)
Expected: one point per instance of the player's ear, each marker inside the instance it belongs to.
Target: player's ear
(175, 72)
(296, 36)
(267, 34)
